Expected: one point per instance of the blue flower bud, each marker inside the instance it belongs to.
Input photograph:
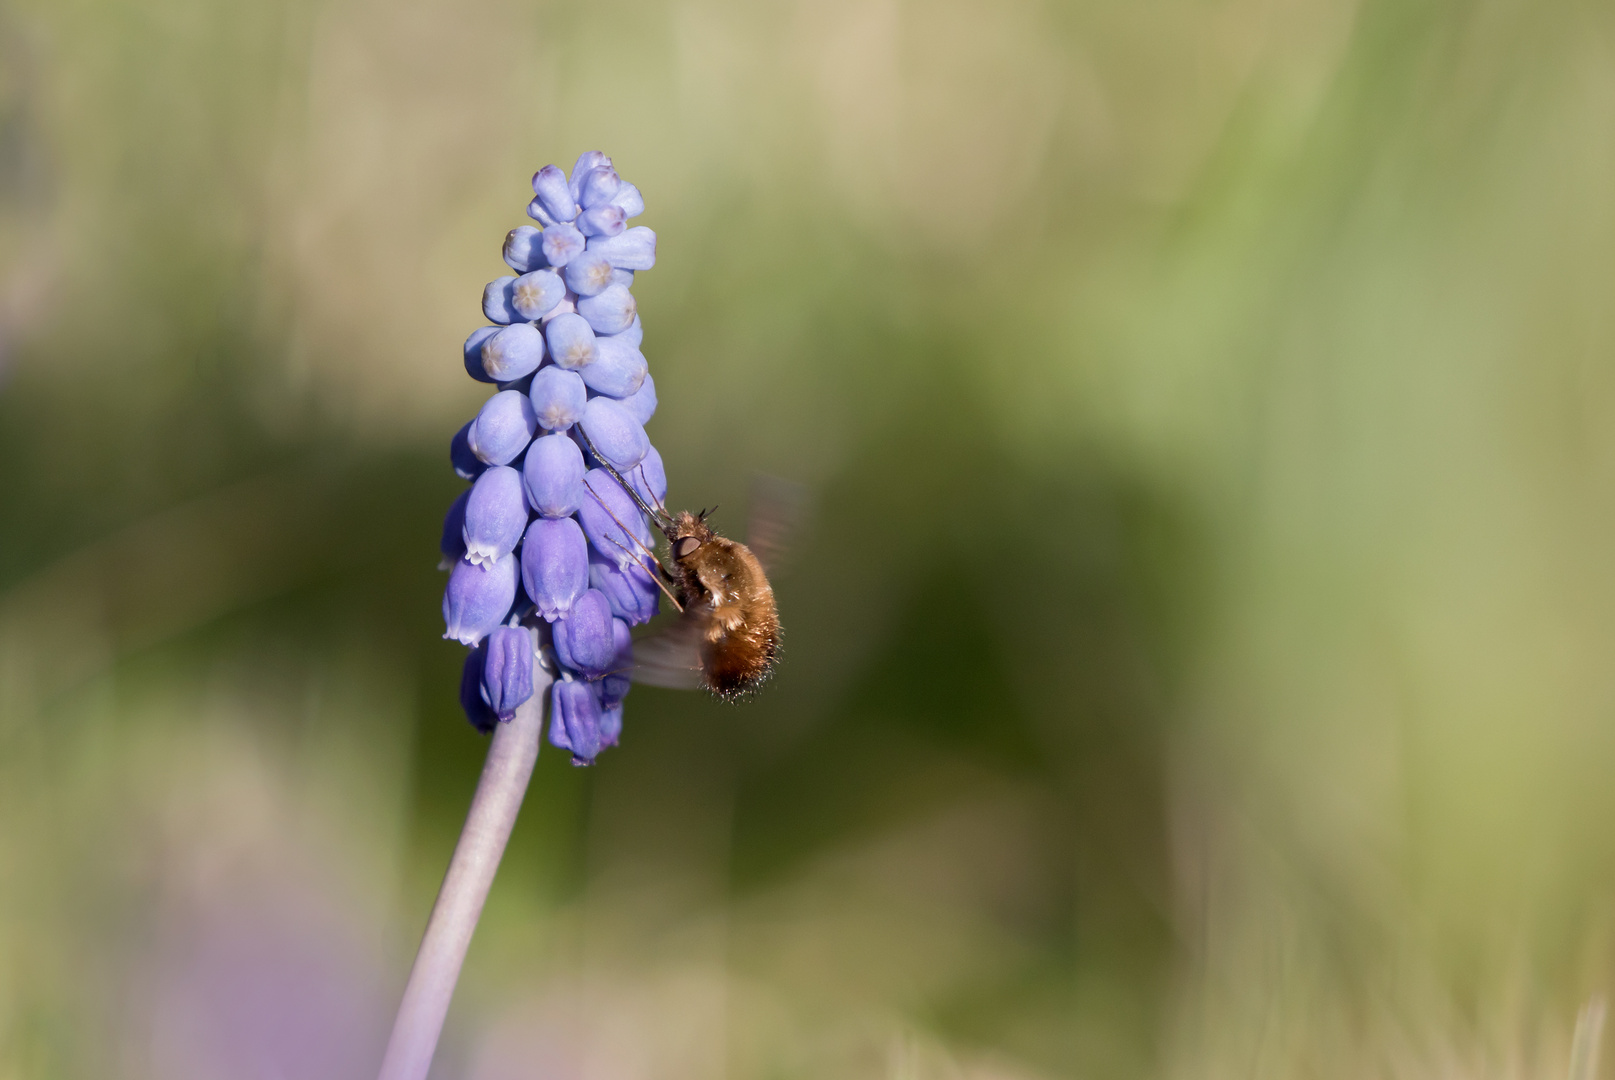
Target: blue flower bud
(602, 221)
(478, 598)
(629, 199)
(649, 478)
(524, 249)
(625, 278)
(614, 687)
(635, 334)
(507, 673)
(534, 295)
(631, 591)
(554, 195)
(589, 159)
(613, 523)
(536, 211)
(575, 720)
(513, 353)
(609, 312)
(553, 473)
(641, 404)
(616, 435)
(565, 307)
(453, 543)
(618, 368)
(476, 710)
(598, 186)
(473, 352)
(498, 303)
(503, 428)
(558, 398)
(634, 249)
(561, 243)
(583, 641)
(555, 565)
(589, 273)
(467, 466)
(495, 515)
(571, 340)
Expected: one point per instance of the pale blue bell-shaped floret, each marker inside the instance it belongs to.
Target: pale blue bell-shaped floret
(478, 598)
(555, 565)
(534, 295)
(558, 398)
(618, 369)
(554, 195)
(503, 428)
(589, 159)
(583, 641)
(634, 249)
(575, 720)
(609, 312)
(641, 404)
(524, 249)
(629, 199)
(571, 340)
(498, 303)
(630, 590)
(562, 242)
(507, 673)
(612, 521)
(599, 186)
(513, 353)
(453, 543)
(589, 273)
(476, 709)
(602, 221)
(495, 515)
(473, 352)
(649, 479)
(553, 473)
(614, 432)
(467, 466)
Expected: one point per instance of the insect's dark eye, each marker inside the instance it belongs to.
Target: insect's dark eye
(685, 546)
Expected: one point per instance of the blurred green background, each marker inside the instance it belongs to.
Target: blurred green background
(1199, 659)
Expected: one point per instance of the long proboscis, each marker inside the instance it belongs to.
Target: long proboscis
(659, 515)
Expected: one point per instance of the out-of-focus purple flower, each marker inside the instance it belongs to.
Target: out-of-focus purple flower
(535, 295)
(583, 641)
(555, 566)
(618, 369)
(477, 711)
(524, 249)
(575, 720)
(589, 273)
(478, 598)
(562, 241)
(513, 353)
(611, 311)
(473, 352)
(634, 249)
(497, 301)
(495, 515)
(615, 527)
(504, 426)
(616, 435)
(453, 543)
(467, 466)
(558, 398)
(553, 473)
(507, 674)
(631, 591)
(554, 195)
(571, 341)
(602, 221)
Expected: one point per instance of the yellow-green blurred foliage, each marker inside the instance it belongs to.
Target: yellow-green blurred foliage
(1199, 663)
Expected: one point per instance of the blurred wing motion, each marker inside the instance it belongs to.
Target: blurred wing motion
(779, 507)
(671, 657)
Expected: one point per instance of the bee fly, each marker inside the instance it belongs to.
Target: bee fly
(727, 634)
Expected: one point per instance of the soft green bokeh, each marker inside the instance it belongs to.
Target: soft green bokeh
(1198, 662)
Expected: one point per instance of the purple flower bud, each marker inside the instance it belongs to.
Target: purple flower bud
(513, 353)
(558, 398)
(555, 565)
(631, 591)
(473, 352)
(613, 523)
(634, 249)
(498, 303)
(625, 278)
(534, 295)
(503, 428)
(575, 720)
(583, 640)
(649, 478)
(561, 243)
(495, 515)
(453, 543)
(635, 334)
(524, 249)
(641, 404)
(618, 369)
(629, 199)
(536, 211)
(614, 687)
(589, 273)
(556, 198)
(476, 710)
(616, 435)
(598, 186)
(565, 307)
(610, 312)
(478, 598)
(507, 674)
(467, 466)
(571, 340)
(589, 159)
(602, 221)
(553, 473)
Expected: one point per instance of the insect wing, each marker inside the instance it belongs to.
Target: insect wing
(671, 657)
(779, 508)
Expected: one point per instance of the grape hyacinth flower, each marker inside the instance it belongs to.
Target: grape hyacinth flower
(549, 558)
